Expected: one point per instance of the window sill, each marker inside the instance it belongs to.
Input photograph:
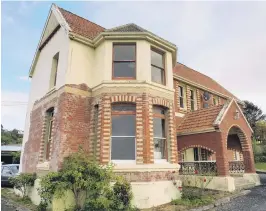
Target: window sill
(123, 161)
(160, 161)
(43, 166)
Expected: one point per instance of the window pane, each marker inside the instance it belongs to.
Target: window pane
(124, 69)
(123, 148)
(158, 110)
(180, 91)
(124, 52)
(191, 95)
(181, 102)
(157, 75)
(192, 105)
(123, 125)
(157, 59)
(159, 148)
(158, 127)
(123, 107)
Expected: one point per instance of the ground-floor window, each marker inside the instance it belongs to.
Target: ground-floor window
(201, 154)
(159, 135)
(123, 144)
(49, 130)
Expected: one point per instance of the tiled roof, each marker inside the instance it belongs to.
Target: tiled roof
(131, 27)
(199, 78)
(199, 120)
(81, 26)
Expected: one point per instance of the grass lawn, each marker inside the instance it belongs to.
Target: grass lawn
(260, 166)
(8, 193)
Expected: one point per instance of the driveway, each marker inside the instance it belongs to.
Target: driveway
(254, 201)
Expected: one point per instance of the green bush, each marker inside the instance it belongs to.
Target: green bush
(90, 184)
(22, 182)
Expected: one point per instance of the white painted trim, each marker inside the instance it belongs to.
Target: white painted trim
(243, 116)
(146, 167)
(222, 113)
(179, 114)
(207, 130)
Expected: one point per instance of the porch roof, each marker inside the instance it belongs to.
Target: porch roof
(201, 120)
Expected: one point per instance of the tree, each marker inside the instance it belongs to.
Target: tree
(10, 136)
(253, 113)
(260, 131)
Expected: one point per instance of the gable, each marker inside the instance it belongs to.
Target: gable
(233, 116)
(50, 27)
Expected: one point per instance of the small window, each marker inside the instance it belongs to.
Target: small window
(96, 119)
(157, 67)
(49, 132)
(123, 132)
(192, 100)
(53, 76)
(124, 61)
(159, 137)
(181, 96)
(215, 100)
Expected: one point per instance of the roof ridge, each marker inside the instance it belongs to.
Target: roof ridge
(79, 16)
(124, 25)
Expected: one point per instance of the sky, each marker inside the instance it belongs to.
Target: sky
(224, 40)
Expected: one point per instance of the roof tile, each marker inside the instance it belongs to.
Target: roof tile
(199, 78)
(199, 120)
(81, 26)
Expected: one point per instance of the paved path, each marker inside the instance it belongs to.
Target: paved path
(254, 201)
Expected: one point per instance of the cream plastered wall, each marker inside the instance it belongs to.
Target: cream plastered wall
(189, 154)
(94, 66)
(41, 77)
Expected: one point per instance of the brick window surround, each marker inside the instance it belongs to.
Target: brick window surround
(144, 126)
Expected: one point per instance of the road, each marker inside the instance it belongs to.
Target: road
(254, 201)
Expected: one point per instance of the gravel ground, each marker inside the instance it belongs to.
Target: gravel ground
(254, 201)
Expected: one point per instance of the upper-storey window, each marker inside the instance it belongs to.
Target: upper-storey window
(181, 96)
(53, 76)
(192, 100)
(157, 67)
(124, 61)
(215, 100)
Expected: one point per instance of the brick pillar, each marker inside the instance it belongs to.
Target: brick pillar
(140, 122)
(221, 155)
(172, 157)
(105, 129)
(148, 129)
(249, 161)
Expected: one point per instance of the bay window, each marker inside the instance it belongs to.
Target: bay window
(123, 132)
(124, 61)
(159, 137)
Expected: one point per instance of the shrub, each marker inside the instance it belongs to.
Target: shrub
(22, 182)
(90, 184)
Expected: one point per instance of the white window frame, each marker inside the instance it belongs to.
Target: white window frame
(184, 96)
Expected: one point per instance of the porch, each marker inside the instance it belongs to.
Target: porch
(216, 142)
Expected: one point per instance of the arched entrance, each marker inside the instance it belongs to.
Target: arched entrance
(239, 152)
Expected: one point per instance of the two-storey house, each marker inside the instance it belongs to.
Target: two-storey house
(120, 94)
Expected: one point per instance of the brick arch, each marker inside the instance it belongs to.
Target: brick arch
(241, 135)
(192, 146)
(123, 98)
(161, 102)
